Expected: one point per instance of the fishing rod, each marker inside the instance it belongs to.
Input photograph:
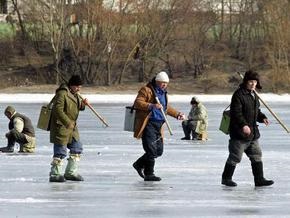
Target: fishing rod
(163, 113)
(272, 112)
(94, 111)
(165, 118)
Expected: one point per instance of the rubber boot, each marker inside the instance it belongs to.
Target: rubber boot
(149, 171)
(186, 130)
(257, 169)
(55, 171)
(227, 175)
(72, 168)
(139, 166)
(8, 149)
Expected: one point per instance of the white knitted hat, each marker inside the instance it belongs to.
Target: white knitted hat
(162, 77)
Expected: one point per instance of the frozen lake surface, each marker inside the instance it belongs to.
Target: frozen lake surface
(190, 171)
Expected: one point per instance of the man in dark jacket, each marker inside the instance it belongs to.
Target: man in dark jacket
(244, 133)
(64, 131)
(149, 121)
(20, 130)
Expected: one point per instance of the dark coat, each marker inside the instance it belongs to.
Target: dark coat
(65, 111)
(245, 110)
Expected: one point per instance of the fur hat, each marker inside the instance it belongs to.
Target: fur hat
(9, 109)
(75, 80)
(251, 75)
(162, 77)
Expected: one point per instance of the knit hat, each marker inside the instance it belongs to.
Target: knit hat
(194, 100)
(9, 109)
(162, 77)
(251, 75)
(75, 80)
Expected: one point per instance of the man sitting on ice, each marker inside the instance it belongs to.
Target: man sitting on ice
(20, 130)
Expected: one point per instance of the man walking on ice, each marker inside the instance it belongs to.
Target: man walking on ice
(244, 133)
(149, 121)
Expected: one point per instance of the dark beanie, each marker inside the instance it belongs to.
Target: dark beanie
(251, 75)
(75, 80)
(9, 109)
(194, 100)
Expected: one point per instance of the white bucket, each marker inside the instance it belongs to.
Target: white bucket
(129, 119)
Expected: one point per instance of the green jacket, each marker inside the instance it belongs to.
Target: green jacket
(65, 110)
(199, 114)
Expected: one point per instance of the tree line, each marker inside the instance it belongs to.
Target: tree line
(109, 42)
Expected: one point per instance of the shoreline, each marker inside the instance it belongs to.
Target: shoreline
(129, 97)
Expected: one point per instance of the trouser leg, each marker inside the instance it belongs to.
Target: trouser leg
(12, 137)
(153, 147)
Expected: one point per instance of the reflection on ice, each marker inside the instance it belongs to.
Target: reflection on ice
(190, 172)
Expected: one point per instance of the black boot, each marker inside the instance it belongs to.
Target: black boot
(152, 178)
(8, 149)
(149, 171)
(227, 175)
(186, 130)
(257, 169)
(139, 166)
(185, 138)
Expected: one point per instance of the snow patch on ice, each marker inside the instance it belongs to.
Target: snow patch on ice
(29, 200)
(21, 179)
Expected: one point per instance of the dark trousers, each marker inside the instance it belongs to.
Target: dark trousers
(14, 136)
(238, 147)
(152, 145)
(189, 127)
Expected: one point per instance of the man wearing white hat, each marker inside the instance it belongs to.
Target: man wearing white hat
(149, 121)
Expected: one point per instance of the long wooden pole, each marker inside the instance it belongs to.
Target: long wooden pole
(89, 105)
(165, 118)
(95, 112)
(272, 112)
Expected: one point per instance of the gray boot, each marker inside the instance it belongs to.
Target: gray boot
(55, 172)
(72, 168)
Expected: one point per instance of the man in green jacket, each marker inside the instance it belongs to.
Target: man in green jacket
(64, 131)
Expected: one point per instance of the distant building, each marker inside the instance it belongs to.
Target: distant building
(5, 9)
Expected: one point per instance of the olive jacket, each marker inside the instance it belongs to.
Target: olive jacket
(199, 115)
(65, 111)
(144, 98)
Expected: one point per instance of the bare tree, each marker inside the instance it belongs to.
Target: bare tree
(278, 38)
